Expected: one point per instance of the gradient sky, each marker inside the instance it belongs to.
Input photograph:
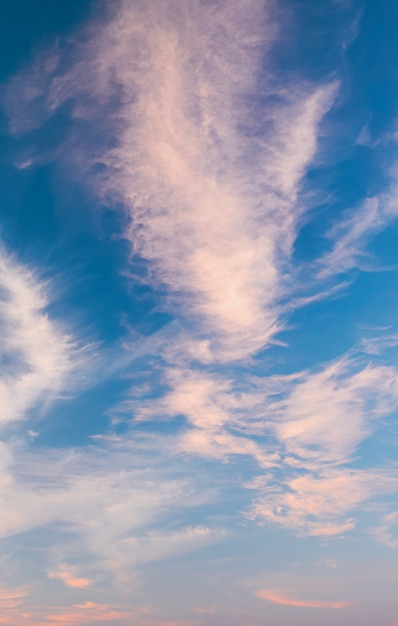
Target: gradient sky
(199, 312)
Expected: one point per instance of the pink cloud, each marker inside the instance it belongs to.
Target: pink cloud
(81, 614)
(11, 598)
(66, 575)
(275, 596)
(76, 615)
(333, 529)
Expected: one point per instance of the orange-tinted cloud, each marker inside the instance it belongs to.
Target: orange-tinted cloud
(76, 615)
(275, 596)
(11, 598)
(81, 614)
(66, 575)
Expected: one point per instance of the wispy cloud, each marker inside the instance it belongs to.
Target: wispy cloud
(387, 531)
(11, 598)
(215, 412)
(38, 358)
(67, 575)
(377, 345)
(351, 235)
(319, 504)
(305, 430)
(315, 427)
(123, 517)
(211, 198)
(319, 428)
(87, 613)
(155, 546)
(277, 597)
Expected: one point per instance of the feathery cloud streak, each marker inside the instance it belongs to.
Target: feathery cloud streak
(277, 597)
(39, 359)
(212, 201)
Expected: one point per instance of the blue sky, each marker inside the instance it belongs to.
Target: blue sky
(198, 305)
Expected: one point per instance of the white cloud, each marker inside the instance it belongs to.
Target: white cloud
(216, 414)
(320, 425)
(106, 504)
(306, 430)
(328, 414)
(377, 345)
(154, 546)
(387, 531)
(211, 197)
(41, 363)
(212, 209)
(321, 504)
(351, 235)
(39, 360)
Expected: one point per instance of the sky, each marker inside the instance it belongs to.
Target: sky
(198, 313)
